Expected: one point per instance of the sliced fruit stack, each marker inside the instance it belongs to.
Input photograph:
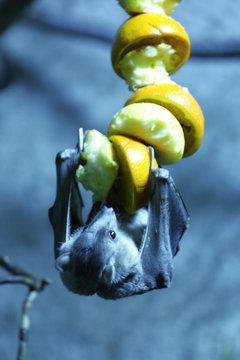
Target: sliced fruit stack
(148, 48)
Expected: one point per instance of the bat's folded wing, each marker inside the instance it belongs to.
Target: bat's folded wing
(66, 212)
(167, 221)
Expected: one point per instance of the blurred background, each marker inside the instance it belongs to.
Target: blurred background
(56, 77)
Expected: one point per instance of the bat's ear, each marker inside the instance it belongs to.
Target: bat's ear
(63, 263)
(108, 274)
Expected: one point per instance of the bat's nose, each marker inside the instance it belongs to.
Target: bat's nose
(105, 212)
(108, 210)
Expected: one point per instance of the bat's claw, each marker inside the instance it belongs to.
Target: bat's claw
(80, 139)
(152, 157)
(158, 172)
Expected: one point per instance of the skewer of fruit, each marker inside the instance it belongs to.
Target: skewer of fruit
(148, 48)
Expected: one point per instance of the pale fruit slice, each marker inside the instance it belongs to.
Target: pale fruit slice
(182, 105)
(98, 168)
(134, 172)
(164, 7)
(148, 65)
(154, 125)
(150, 30)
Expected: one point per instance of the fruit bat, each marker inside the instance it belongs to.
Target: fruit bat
(114, 254)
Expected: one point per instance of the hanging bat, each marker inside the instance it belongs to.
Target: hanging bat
(115, 254)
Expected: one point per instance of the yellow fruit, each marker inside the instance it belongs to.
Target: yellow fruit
(153, 125)
(146, 6)
(148, 65)
(98, 168)
(182, 105)
(133, 158)
(151, 29)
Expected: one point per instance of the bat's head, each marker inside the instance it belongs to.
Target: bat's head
(90, 261)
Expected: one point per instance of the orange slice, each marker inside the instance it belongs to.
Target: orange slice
(133, 159)
(153, 125)
(97, 168)
(182, 105)
(151, 29)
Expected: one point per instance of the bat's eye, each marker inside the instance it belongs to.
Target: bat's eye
(112, 234)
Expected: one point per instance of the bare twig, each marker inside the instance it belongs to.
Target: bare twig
(25, 324)
(35, 286)
(15, 279)
(11, 268)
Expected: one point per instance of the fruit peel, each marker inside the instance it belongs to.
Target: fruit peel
(182, 105)
(134, 172)
(98, 168)
(150, 29)
(153, 125)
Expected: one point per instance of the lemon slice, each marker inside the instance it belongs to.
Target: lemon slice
(164, 7)
(134, 172)
(154, 125)
(148, 65)
(182, 105)
(98, 168)
(150, 30)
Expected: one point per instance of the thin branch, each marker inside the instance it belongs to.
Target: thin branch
(35, 286)
(21, 276)
(11, 268)
(15, 279)
(25, 324)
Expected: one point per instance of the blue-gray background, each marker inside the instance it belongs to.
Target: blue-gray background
(64, 82)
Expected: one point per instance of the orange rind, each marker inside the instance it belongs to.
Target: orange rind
(153, 125)
(134, 163)
(150, 30)
(181, 104)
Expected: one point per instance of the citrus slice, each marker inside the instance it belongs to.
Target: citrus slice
(152, 30)
(147, 65)
(97, 169)
(154, 125)
(134, 172)
(164, 7)
(182, 105)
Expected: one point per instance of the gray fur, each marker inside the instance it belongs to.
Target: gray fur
(115, 255)
(91, 258)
